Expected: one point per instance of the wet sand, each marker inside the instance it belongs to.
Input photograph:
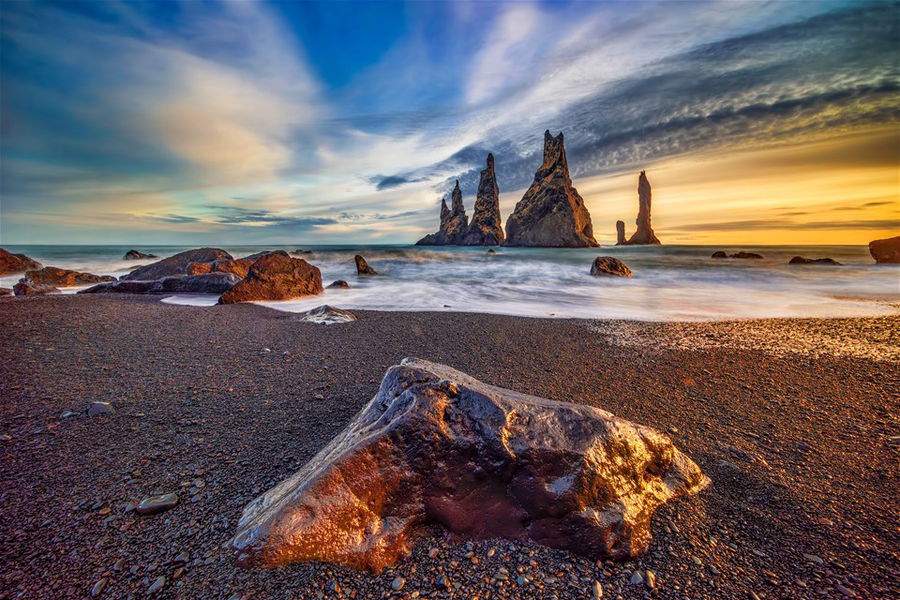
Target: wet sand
(795, 422)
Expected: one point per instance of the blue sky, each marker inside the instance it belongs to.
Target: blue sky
(331, 122)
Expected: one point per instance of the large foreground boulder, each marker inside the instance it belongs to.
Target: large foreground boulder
(607, 265)
(886, 250)
(238, 266)
(26, 288)
(276, 277)
(436, 446)
(56, 277)
(16, 263)
(177, 264)
(206, 283)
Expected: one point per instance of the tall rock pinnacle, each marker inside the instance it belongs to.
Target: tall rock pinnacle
(485, 229)
(644, 233)
(620, 233)
(551, 213)
(454, 222)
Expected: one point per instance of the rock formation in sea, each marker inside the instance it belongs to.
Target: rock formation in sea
(721, 254)
(800, 260)
(16, 263)
(551, 213)
(485, 228)
(620, 233)
(438, 447)
(886, 250)
(362, 267)
(177, 264)
(454, 222)
(238, 266)
(276, 277)
(56, 277)
(644, 234)
(607, 265)
(338, 284)
(135, 255)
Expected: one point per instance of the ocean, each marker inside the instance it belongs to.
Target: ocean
(670, 283)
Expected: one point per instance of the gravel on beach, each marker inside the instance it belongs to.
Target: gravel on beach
(209, 406)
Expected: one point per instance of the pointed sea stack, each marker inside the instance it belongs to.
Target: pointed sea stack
(620, 233)
(551, 213)
(644, 234)
(454, 223)
(485, 229)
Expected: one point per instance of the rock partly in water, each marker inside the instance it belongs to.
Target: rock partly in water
(26, 288)
(238, 266)
(436, 446)
(800, 260)
(719, 254)
(135, 255)
(16, 263)
(886, 250)
(57, 277)
(485, 228)
(328, 315)
(491, 251)
(362, 267)
(206, 283)
(99, 408)
(6, 291)
(644, 234)
(607, 265)
(157, 504)
(177, 264)
(276, 277)
(339, 284)
(551, 213)
(454, 222)
(620, 233)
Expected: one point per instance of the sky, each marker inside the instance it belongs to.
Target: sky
(210, 122)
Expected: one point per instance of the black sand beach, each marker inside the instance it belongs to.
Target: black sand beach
(798, 433)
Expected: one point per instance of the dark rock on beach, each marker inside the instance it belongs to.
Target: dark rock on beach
(135, 255)
(204, 283)
(57, 277)
(157, 504)
(177, 264)
(607, 265)
(24, 287)
(362, 267)
(886, 250)
(328, 315)
(438, 446)
(644, 234)
(6, 291)
(276, 277)
(16, 263)
(95, 409)
(485, 228)
(551, 213)
(800, 260)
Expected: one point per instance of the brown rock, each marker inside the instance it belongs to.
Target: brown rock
(620, 233)
(607, 265)
(339, 284)
(644, 234)
(56, 277)
(16, 263)
(177, 264)
(800, 260)
(135, 255)
(6, 291)
(436, 446)
(485, 228)
(454, 222)
(26, 288)
(746, 255)
(204, 283)
(276, 277)
(551, 213)
(362, 267)
(886, 250)
(238, 266)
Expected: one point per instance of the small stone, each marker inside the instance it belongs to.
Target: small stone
(99, 408)
(442, 581)
(650, 579)
(157, 585)
(696, 561)
(814, 559)
(491, 552)
(753, 595)
(179, 573)
(319, 397)
(397, 584)
(845, 591)
(333, 586)
(99, 587)
(433, 553)
(157, 504)
(522, 579)
(636, 578)
(598, 590)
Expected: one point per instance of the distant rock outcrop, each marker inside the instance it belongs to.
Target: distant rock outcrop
(56, 277)
(438, 447)
(886, 250)
(607, 265)
(644, 234)
(362, 267)
(620, 233)
(276, 277)
(720, 254)
(135, 255)
(551, 213)
(454, 223)
(338, 284)
(800, 260)
(485, 228)
(177, 264)
(16, 263)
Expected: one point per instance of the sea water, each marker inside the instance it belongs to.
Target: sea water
(669, 283)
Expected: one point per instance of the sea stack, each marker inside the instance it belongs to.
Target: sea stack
(620, 233)
(454, 222)
(485, 228)
(551, 213)
(644, 234)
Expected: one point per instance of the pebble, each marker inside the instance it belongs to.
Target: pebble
(442, 581)
(598, 590)
(845, 591)
(814, 559)
(397, 584)
(636, 578)
(99, 408)
(99, 587)
(157, 585)
(157, 504)
(696, 561)
(650, 579)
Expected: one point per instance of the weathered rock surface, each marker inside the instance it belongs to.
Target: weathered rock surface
(485, 228)
(16, 263)
(276, 277)
(135, 255)
(436, 446)
(644, 234)
(339, 284)
(6, 291)
(204, 283)
(99, 408)
(620, 233)
(362, 267)
(26, 288)
(177, 264)
(607, 265)
(328, 315)
(57, 277)
(238, 266)
(157, 504)
(800, 260)
(886, 250)
(551, 213)
(454, 222)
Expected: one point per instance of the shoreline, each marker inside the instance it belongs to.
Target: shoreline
(797, 446)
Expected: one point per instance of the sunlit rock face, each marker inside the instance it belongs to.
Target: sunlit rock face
(275, 277)
(177, 264)
(437, 446)
(56, 277)
(644, 234)
(16, 263)
(485, 228)
(454, 223)
(886, 250)
(551, 213)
